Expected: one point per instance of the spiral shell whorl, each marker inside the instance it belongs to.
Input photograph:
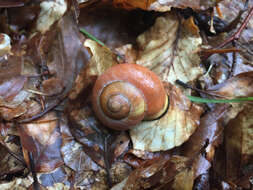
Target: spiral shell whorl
(122, 100)
(125, 94)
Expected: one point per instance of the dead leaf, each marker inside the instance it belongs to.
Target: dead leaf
(160, 173)
(237, 86)
(209, 130)
(169, 50)
(172, 129)
(186, 176)
(102, 59)
(164, 5)
(73, 154)
(42, 139)
(239, 146)
(50, 12)
(18, 183)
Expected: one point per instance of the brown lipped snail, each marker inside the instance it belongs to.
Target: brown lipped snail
(126, 94)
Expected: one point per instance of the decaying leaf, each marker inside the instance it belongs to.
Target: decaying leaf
(186, 176)
(172, 129)
(55, 179)
(73, 154)
(14, 99)
(170, 50)
(102, 58)
(9, 164)
(42, 139)
(161, 173)
(164, 5)
(237, 86)
(18, 183)
(52, 65)
(209, 130)
(51, 11)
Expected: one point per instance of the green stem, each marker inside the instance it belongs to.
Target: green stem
(205, 100)
(91, 36)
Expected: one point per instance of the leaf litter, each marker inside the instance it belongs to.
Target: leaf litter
(50, 137)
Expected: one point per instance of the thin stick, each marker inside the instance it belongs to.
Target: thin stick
(238, 33)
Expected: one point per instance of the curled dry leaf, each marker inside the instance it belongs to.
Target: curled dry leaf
(102, 59)
(172, 129)
(170, 50)
(51, 11)
(65, 54)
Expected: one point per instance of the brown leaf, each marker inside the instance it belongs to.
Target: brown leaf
(42, 139)
(10, 68)
(160, 173)
(52, 86)
(73, 154)
(170, 50)
(172, 129)
(50, 12)
(208, 130)
(237, 86)
(84, 129)
(9, 164)
(239, 146)
(186, 176)
(10, 88)
(13, 98)
(102, 59)
(164, 5)
(66, 54)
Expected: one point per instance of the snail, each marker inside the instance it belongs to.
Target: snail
(126, 94)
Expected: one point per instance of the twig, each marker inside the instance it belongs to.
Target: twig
(237, 34)
(234, 37)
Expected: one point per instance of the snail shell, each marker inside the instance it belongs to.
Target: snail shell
(126, 94)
